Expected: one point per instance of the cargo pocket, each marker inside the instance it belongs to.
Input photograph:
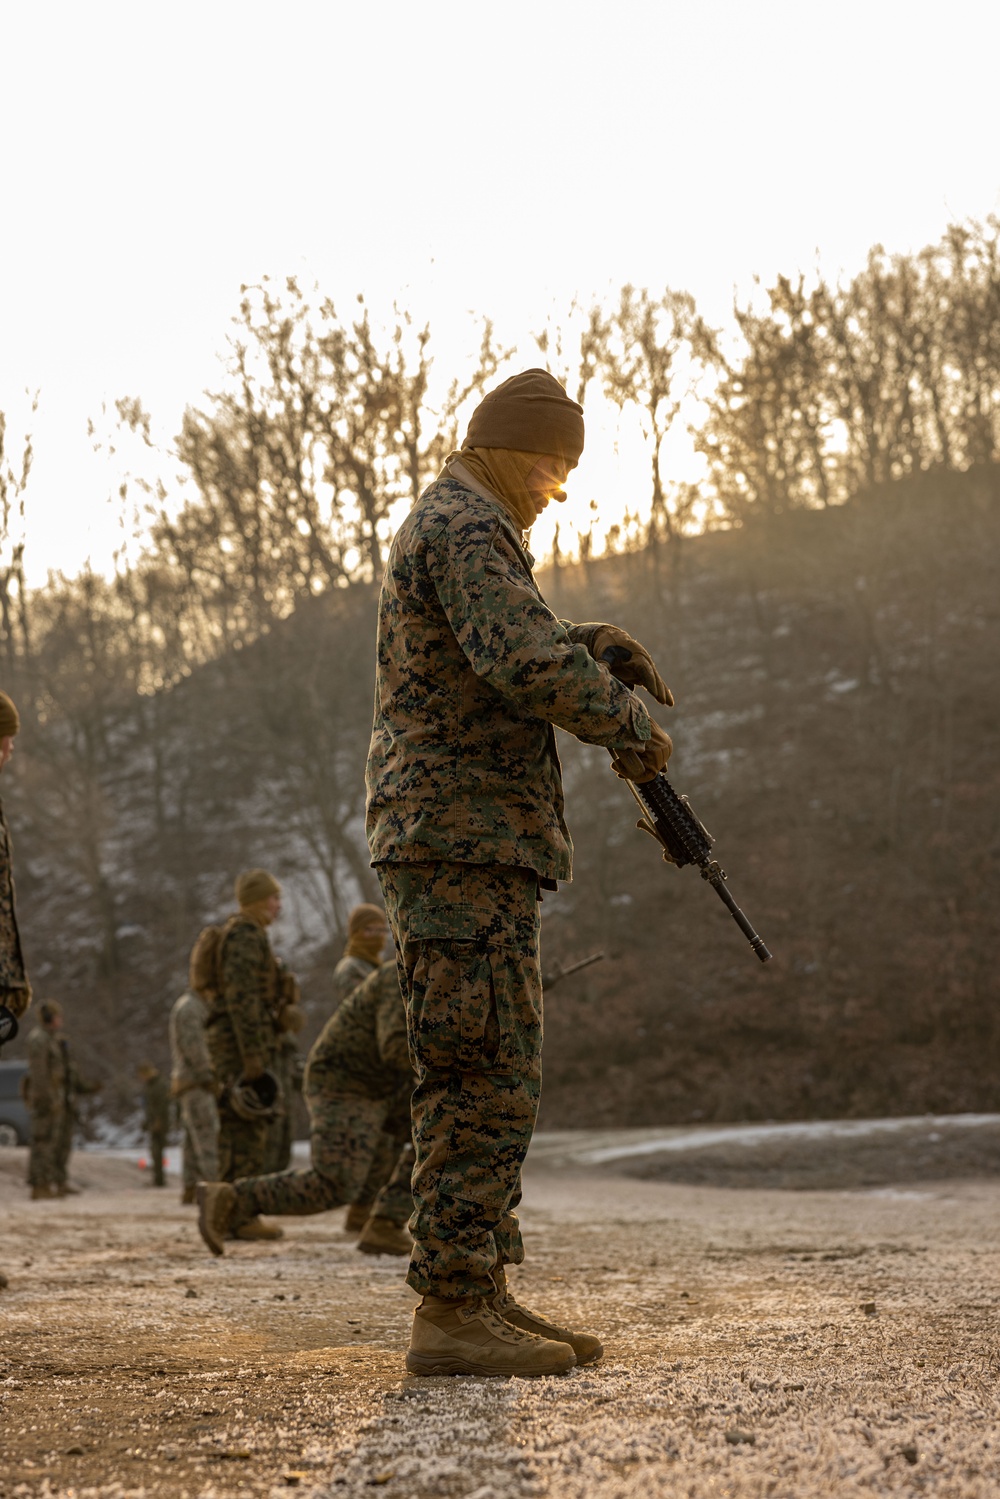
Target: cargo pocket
(456, 1017)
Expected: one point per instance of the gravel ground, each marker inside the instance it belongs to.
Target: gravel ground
(760, 1342)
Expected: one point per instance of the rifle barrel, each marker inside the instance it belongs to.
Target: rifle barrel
(718, 884)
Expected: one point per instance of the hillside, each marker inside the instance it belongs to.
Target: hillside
(836, 722)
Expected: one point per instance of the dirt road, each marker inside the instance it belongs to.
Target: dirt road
(759, 1343)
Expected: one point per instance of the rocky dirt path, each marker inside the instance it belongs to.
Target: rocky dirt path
(759, 1343)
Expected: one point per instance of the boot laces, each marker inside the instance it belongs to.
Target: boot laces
(496, 1323)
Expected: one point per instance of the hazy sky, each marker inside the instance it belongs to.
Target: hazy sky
(456, 157)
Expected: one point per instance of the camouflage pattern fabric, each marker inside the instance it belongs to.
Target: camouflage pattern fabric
(473, 670)
(285, 1064)
(345, 1132)
(363, 1047)
(190, 1061)
(76, 1087)
(396, 1133)
(200, 1118)
(348, 974)
(14, 989)
(241, 1019)
(156, 1102)
(467, 939)
(241, 1024)
(47, 1104)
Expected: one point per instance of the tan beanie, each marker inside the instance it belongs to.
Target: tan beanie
(360, 917)
(529, 413)
(255, 885)
(10, 719)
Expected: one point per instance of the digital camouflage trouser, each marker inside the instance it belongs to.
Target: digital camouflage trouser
(46, 1127)
(200, 1118)
(242, 1144)
(396, 1132)
(347, 1130)
(467, 945)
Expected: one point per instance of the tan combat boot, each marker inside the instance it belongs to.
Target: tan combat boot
(357, 1217)
(382, 1236)
(256, 1228)
(187, 1196)
(42, 1194)
(216, 1206)
(467, 1337)
(587, 1348)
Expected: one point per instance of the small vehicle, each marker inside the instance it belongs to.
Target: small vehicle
(15, 1122)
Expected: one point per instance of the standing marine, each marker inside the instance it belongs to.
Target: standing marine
(76, 1086)
(45, 1089)
(367, 935)
(192, 1078)
(244, 1022)
(356, 1070)
(156, 1109)
(465, 826)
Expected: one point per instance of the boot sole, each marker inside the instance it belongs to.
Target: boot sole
(430, 1363)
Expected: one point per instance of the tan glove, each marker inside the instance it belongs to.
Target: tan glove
(16, 1000)
(643, 764)
(632, 665)
(291, 1019)
(253, 1067)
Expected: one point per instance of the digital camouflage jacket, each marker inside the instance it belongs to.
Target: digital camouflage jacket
(241, 1021)
(362, 1048)
(190, 1062)
(348, 974)
(473, 671)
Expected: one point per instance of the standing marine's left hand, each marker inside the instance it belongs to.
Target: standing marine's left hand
(631, 663)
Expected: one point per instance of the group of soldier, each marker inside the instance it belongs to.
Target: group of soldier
(234, 1072)
(423, 1086)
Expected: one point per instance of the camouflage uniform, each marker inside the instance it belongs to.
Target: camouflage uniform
(156, 1103)
(465, 823)
(286, 1064)
(192, 1083)
(356, 1072)
(46, 1090)
(14, 989)
(76, 1087)
(240, 1025)
(348, 974)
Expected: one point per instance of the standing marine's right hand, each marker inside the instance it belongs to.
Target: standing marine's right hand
(253, 1067)
(643, 764)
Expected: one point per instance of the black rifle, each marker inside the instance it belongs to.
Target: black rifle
(8, 1024)
(673, 824)
(671, 821)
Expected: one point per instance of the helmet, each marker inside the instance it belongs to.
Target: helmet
(256, 1098)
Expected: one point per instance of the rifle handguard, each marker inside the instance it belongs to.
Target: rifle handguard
(668, 816)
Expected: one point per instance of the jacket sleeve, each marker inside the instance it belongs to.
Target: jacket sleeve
(513, 641)
(244, 975)
(192, 1043)
(390, 1025)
